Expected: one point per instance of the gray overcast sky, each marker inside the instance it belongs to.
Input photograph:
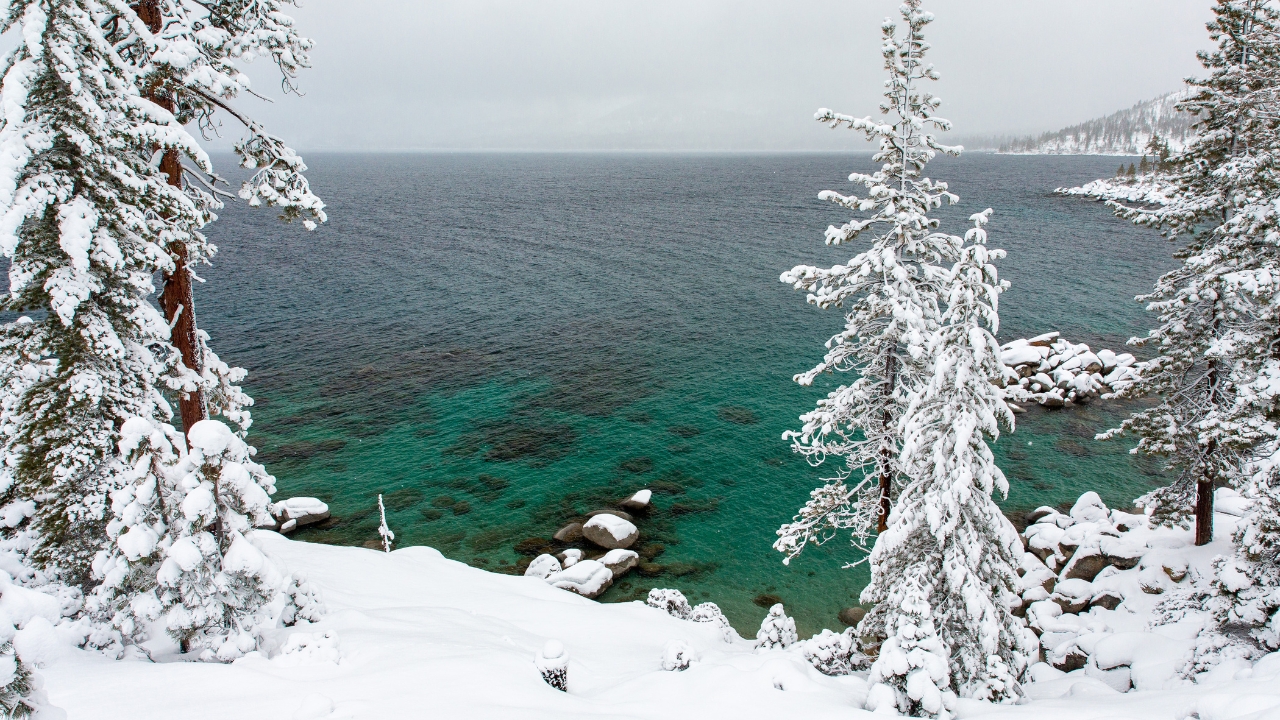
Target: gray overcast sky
(704, 74)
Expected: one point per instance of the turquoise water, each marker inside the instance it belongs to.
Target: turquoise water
(497, 343)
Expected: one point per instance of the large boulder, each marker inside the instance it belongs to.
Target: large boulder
(620, 562)
(610, 532)
(543, 566)
(588, 578)
(569, 533)
(1085, 564)
(639, 502)
(851, 616)
(298, 512)
(1072, 595)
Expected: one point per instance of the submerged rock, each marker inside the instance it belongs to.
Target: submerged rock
(569, 533)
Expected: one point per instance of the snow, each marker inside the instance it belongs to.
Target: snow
(410, 625)
(642, 496)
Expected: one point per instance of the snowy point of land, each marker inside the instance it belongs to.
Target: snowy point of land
(410, 632)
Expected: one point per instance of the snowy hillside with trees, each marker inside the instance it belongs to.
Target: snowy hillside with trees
(1126, 132)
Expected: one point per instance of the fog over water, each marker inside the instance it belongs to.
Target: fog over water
(708, 75)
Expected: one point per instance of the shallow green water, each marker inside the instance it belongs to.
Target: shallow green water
(499, 343)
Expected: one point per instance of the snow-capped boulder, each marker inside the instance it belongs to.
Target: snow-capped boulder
(639, 502)
(1089, 508)
(570, 557)
(1072, 595)
(610, 531)
(588, 578)
(620, 562)
(542, 566)
(298, 512)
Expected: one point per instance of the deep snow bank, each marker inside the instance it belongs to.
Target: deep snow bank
(410, 635)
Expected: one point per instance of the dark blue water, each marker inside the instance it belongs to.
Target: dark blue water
(500, 342)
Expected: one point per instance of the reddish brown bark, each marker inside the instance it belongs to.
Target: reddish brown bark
(886, 454)
(177, 300)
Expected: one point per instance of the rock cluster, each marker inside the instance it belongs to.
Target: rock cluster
(582, 571)
(1082, 565)
(1055, 372)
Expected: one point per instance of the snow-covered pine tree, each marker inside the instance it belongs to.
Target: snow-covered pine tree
(183, 54)
(1248, 584)
(889, 294)
(1214, 334)
(84, 219)
(948, 542)
(179, 548)
(911, 671)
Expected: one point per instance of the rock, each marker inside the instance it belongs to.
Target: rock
(620, 562)
(610, 511)
(851, 616)
(610, 532)
(1175, 568)
(1085, 565)
(570, 557)
(569, 533)
(1045, 340)
(1090, 362)
(587, 578)
(1016, 409)
(639, 502)
(1020, 355)
(1121, 553)
(1118, 678)
(301, 511)
(1072, 595)
(1108, 360)
(1153, 580)
(1108, 599)
(542, 566)
(1052, 400)
(1038, 514)
(1073, 659)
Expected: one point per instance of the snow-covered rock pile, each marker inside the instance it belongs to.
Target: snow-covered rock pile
(1091, 580)
(583, 570)
(1054, 372)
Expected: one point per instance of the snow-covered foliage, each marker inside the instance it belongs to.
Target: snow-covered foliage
(942, 575)
(1127, 132)
(834, 653)
(384, 531)
(1249, 581)
(776, 630)
(1217, 312)
(910, 673)
(553, 664)
(889, 295)
(84, 218)
(678, 655)
(180, 553)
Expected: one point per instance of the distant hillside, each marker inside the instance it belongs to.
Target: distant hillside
(1122, 133)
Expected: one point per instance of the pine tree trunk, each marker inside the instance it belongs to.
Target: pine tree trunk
(1204, 500)
(886, 453)
(177, 301)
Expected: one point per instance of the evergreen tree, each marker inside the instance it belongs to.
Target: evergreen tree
(179, 551)
(1216, 334)
(889, 294)
(949, 548)
(1132, 171)
(183, 54)
(84, 219)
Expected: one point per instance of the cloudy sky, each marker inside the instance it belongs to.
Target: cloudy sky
(705, 74)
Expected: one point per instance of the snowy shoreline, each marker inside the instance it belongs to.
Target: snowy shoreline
(409, 631)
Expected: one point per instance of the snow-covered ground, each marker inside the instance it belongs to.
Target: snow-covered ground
(411, 634)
